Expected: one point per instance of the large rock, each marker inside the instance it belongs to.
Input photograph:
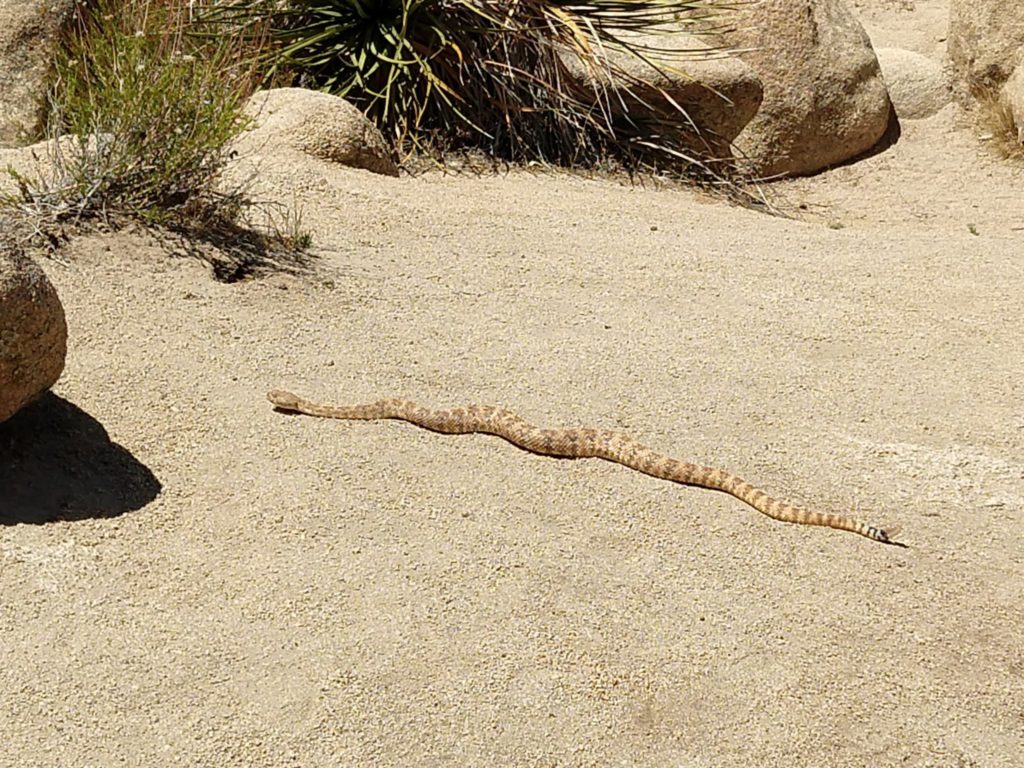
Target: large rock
(28, 34)
(33, 334)
(824, 98)
(721, 95)
(718, 93)
(318, 124)
(917, 85)
(985, 42)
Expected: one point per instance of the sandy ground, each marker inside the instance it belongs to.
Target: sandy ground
(218, 584)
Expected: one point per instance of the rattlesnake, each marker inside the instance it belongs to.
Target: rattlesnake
(576, 444)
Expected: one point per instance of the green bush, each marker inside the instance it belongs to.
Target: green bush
(142, 111)
(148, 109)
(487, 74)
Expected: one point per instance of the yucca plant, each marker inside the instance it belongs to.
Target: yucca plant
(523, 79)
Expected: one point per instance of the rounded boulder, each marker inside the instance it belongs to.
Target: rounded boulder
(33, 331)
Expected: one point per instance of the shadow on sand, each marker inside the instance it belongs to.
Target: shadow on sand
(58, 463)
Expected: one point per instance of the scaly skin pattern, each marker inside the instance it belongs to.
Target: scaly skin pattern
(577, 444)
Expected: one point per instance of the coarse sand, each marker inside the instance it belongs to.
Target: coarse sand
(219, 584)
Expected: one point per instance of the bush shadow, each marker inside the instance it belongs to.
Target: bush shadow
(58, 463)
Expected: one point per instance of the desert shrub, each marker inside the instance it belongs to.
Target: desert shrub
(142, 112)
(499, 75)
(995, 116)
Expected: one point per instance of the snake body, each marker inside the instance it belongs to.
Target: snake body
(578, 444)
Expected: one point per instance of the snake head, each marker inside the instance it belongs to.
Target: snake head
(283, 400)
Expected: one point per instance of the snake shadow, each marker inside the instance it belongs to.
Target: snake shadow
(58, 463)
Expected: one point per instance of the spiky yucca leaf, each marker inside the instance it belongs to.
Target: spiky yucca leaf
(489, 73)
